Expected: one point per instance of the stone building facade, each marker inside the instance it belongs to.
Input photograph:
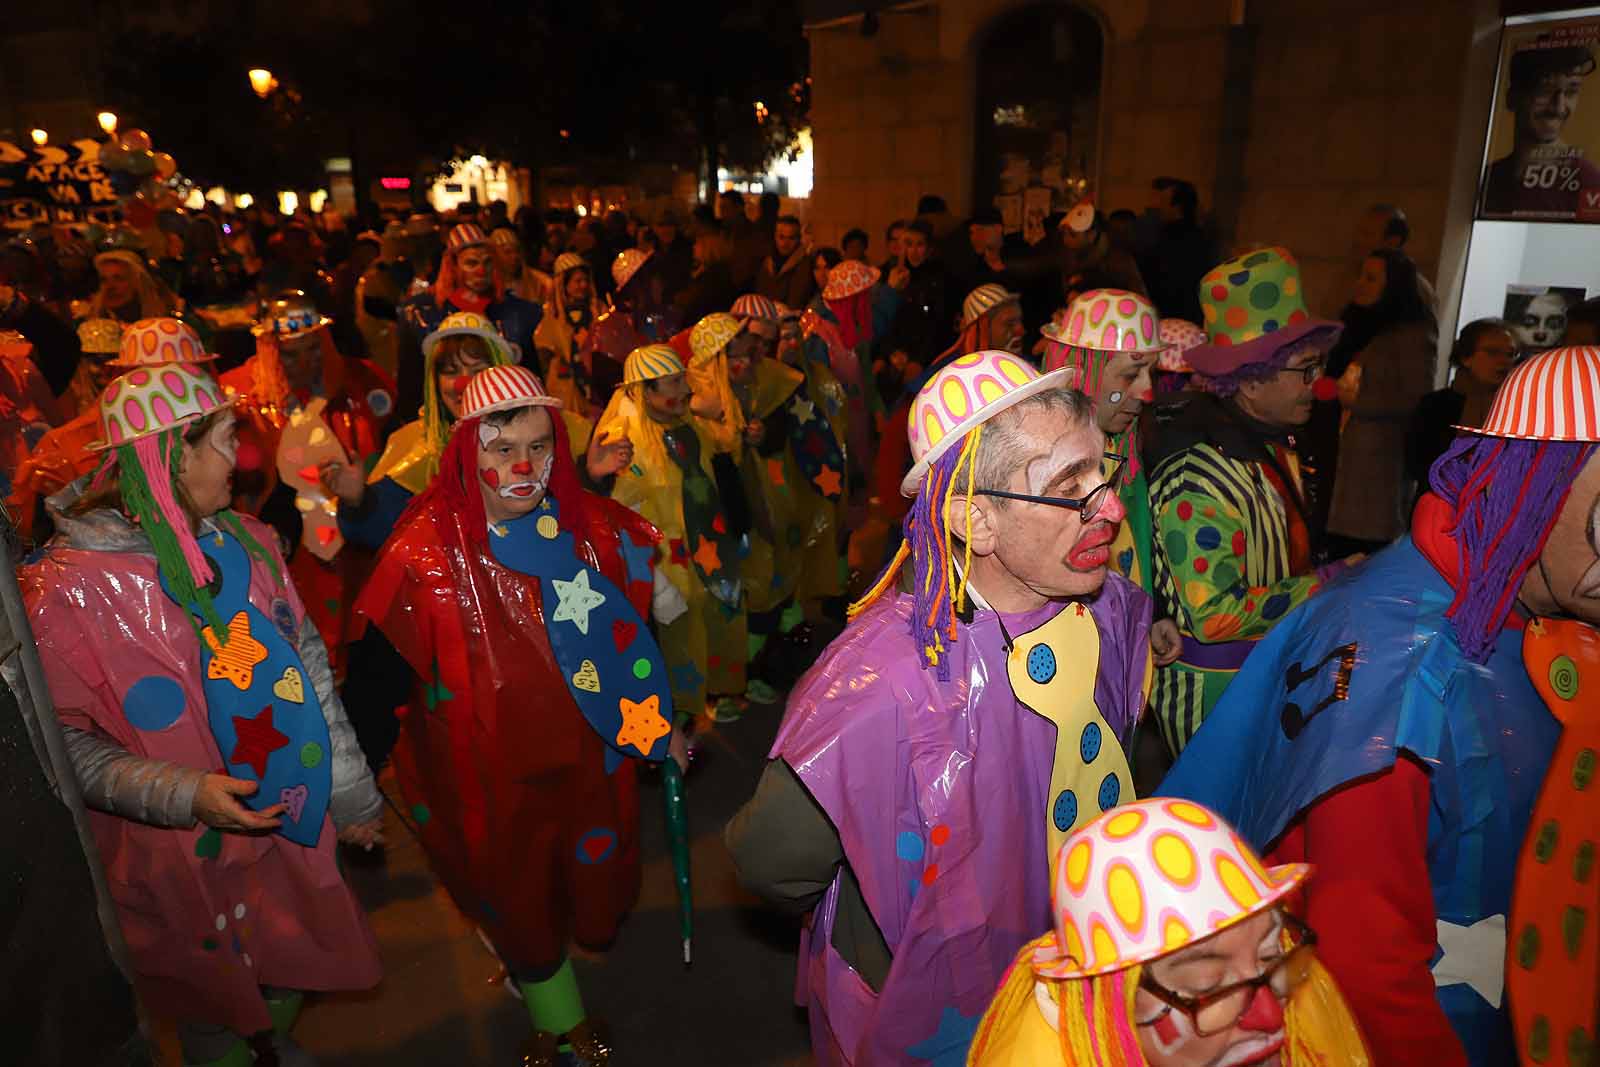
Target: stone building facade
(1290, 117)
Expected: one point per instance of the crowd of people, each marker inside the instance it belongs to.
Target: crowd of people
(516, 505)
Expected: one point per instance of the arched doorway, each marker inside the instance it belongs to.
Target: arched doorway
(1038, 111)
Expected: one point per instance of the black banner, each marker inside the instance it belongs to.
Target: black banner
(54, 183)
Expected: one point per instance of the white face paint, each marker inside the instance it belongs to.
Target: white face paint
(523, 490)
(225, 439)
(487, 433)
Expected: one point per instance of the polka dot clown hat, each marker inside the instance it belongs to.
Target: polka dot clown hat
(504, 388)
(970, 389)
(1108, 320)
(650, 362)
(756, 306)
(149, 400)
(1150, 878)
(470, 323)
(158, 342)
(101, 337)
(848, 279)
(1253, 306)
(711, 335)
(1179, 335)
(984, 299)
(1554, 396)
(627, 264)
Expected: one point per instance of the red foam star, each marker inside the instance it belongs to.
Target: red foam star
(258, 739)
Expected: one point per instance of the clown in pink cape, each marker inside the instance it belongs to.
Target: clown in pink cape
(200, 716)
(943, 747)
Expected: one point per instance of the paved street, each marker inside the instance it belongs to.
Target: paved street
(440, 1002)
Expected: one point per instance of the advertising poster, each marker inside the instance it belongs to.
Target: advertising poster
(1543, 161)
(1538, 314)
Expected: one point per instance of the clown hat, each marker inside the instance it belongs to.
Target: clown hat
(569, 261)
(473, 324)
(1554, 396)
(627, 264)
(1149, 878)
(1254, 305)
(1108, 320)
(505, 236)
(848, 279)
(1179, 335)
(290, 314)
(970, 389)
(146, 401)
(984, 299)
(154, 342)
(756, 306)
(650, 362)
(711, 335)
(100, 337)
(465, 235)
(502, 389)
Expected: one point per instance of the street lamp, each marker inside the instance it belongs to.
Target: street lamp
(262, 81)
(108, 122)
(39, 137)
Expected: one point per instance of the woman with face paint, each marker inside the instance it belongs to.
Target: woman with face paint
(1395, 731)
(681, 483)
(1171, 948)
(193, 689)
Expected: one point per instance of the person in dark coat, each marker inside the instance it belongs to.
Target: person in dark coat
(1480, 360)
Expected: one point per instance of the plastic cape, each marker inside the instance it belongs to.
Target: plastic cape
(61, 457)
(532, 837)
(209, 917)
(1554, 996)
(360, 400)
(721, 416)
(1316, 1013)
(940, 796)
(772, 485)
(1367, 668)
(819, 557)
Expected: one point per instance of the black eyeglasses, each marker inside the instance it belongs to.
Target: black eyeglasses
(1219, 1009)
(1087, 507)
(1309, 373)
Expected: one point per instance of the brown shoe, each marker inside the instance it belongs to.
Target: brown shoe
(591, 1043)
(539, 1050)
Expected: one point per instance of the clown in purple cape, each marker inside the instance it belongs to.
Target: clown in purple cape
(941, 749)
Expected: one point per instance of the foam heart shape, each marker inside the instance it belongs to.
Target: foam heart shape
(622, 633)
(294, 799)
(290, 687)
(318, 435)
(587, 677)
(596, 845)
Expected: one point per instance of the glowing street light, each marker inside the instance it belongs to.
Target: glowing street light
(262, 81)
(108, 122)
(243, 201)
(40, 137)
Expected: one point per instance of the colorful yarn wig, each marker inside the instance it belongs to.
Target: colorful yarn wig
(939, 586)
(146, 470)
(1089, 365)
(1096, 1022)
(1507, 495)
(435, 419)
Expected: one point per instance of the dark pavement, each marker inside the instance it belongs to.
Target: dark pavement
(441, 1001)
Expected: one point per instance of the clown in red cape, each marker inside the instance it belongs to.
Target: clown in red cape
(519, 602)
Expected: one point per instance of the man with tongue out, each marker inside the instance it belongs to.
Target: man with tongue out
(941, 750)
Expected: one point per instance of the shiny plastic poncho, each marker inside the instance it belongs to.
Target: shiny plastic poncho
(1368, 669)
(209, 918)
(508, 786)
(941, 793)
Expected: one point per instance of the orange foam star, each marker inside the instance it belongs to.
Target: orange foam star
(236, 661)
(642, 723)
(706, 556)
(828, 481)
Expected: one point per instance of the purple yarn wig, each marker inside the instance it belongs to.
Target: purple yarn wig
(1507, 495)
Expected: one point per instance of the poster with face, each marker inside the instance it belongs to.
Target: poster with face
(1538, 315)
(1545, 133)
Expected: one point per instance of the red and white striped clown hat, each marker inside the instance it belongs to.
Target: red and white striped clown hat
(1554, 396)
(504, 388)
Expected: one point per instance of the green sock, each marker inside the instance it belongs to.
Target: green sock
(554, 1004)
(284, 1009)
(238, 1055)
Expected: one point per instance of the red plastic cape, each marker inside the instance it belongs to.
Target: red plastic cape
(505, 779)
